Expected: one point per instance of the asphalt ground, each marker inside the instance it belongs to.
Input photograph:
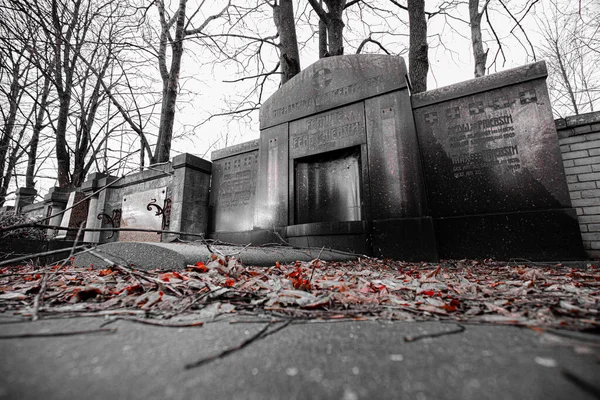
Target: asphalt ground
(305, 360)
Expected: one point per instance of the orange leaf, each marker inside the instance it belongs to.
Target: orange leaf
(229, 282)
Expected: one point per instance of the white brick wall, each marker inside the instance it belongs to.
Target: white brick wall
(579, 138)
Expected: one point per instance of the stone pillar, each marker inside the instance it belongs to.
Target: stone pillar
(89, 187)
(190, 194)
(111, 212)
(25, 197)
(55, 203)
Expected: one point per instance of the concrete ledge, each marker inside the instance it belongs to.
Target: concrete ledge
(328, 228)
(236, 149)
(191, 161)
(478, 85)
(178, 255)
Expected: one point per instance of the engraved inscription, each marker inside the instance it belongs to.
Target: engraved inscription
(482, 144)
(238, 183)
(476, 108)
(431, 117)
(453, 112)
(328, 131)
(528, 96)
(322, 79)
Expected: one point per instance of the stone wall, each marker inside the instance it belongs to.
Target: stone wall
(579, 138)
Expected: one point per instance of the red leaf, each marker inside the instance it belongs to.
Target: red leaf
(229, 282)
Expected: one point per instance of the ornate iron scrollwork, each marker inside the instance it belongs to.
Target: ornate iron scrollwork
(165, 211)
(114, 220)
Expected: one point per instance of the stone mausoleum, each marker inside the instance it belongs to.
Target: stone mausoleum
(348, 159)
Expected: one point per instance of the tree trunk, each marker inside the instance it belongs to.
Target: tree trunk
(479, 54)
(418, 58)
(170, 89)
(7, 132)
(35, 135)
(565, 78)
(322, 39)
(289, 57)
(335, 31)
(63, 159)
(334, 23)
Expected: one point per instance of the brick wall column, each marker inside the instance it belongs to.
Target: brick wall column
(579, 138)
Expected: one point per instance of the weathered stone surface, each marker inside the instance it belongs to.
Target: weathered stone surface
(75, 216)
(332, 82)
(331, 130)
(395, 176)
(272, 182)
(232, 198)
(490, 145)
(189, 196)
(235, 149)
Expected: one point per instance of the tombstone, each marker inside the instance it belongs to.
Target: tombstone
(55, 201)
(25, 197)
(493, 170)
(190, 196)
(338, 164)
(233, 195)
(75, 216)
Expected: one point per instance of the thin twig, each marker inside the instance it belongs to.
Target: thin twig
(583, 385)
(156, 322)
(54, 334)
(40, 295)
(260, 335)
(460, 329)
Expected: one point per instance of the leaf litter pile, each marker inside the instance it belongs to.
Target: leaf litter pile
(463, 291)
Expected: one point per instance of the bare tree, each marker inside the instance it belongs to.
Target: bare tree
(289, 56)
(570, 36)
(479, 54)
(332, 18)
(173, 30)
(21, 87)
(418, 55)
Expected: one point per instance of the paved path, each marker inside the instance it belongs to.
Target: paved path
(334, 360)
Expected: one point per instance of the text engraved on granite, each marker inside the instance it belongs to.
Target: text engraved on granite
(483, 143)
(326, 132)
(238, 183)
(322, 79)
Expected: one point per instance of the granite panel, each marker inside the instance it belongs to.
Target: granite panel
(396, 180)
(233, 193)
(332, 82)
(272, 181)
(490, 151)
(331, 130)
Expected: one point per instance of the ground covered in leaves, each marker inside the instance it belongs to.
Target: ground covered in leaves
(463, 291)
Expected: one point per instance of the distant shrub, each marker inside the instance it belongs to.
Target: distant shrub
(7, 220)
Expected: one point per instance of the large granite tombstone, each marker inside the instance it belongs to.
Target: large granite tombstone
(339, 163)
(494, 176)
(233, 194)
